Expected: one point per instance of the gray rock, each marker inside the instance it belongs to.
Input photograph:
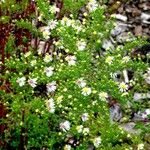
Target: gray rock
(115, 113)
(124, 37)
(129, 127)
(118, 29)
(140, 96)
(107, 44)
(121, 17)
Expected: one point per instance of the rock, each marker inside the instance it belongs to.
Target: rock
(139, 96)
(145, 18)
(137, 117)
(124, 37)
(125, 74)
(138, 30)
(129, 127)
(144, 6)
(115, 113)
(107, 44)
(119, 29)
(121, 17)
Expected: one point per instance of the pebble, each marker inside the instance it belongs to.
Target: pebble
(129, 127)
(140, 96)
(115, 113)
(107, 44)
(121, 17)
(124, 37)
(119, 29)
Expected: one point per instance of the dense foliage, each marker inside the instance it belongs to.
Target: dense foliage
(60, 84)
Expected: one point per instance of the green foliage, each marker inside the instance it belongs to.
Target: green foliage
(60, 92)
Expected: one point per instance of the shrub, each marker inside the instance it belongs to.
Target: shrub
(59, 81)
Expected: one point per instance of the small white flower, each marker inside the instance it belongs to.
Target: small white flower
(123, 87)
(79, 128)
(86, 91)
(40, 17)
(67, 147)
(51, 87)
(146, 113)
(92, 5)
(52, 24)
(47, 58)
(125, 59)
(49, 71)
(140, 146)
(65, 126)
(97, 141)
(81, 45)
(66, 21)
(53, 9)
(86, 131)
(27, 54)
(33, 62)
(50, 105)
(33, 82)
(21, 81)
(46, 31)
(71, 60)
(109, 59)
(85, 117)
(103, 96)
(81, 83)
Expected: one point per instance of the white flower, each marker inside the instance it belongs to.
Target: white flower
(109, 59)
(21, 81)
(81, 83)
(85, 117)
(92, 5)
(46, 31)
(79, 128)
(33, 82)
(65, 126)
(125, 59)
(53, 9)
(67, 147)
(47, 58)
(50, 105)
(123, 87)
(146, 113)
(86, 131)
(140, 146)
(103, 96)
(97, 141)
(49, 71)
(81, 45)
(77, 27)
(52, 24)
(40, 17)
(66, 21)
(3, 1)
(86, 91)
(27, 54)
(71, 60)
(51, 87)
(33, 62)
